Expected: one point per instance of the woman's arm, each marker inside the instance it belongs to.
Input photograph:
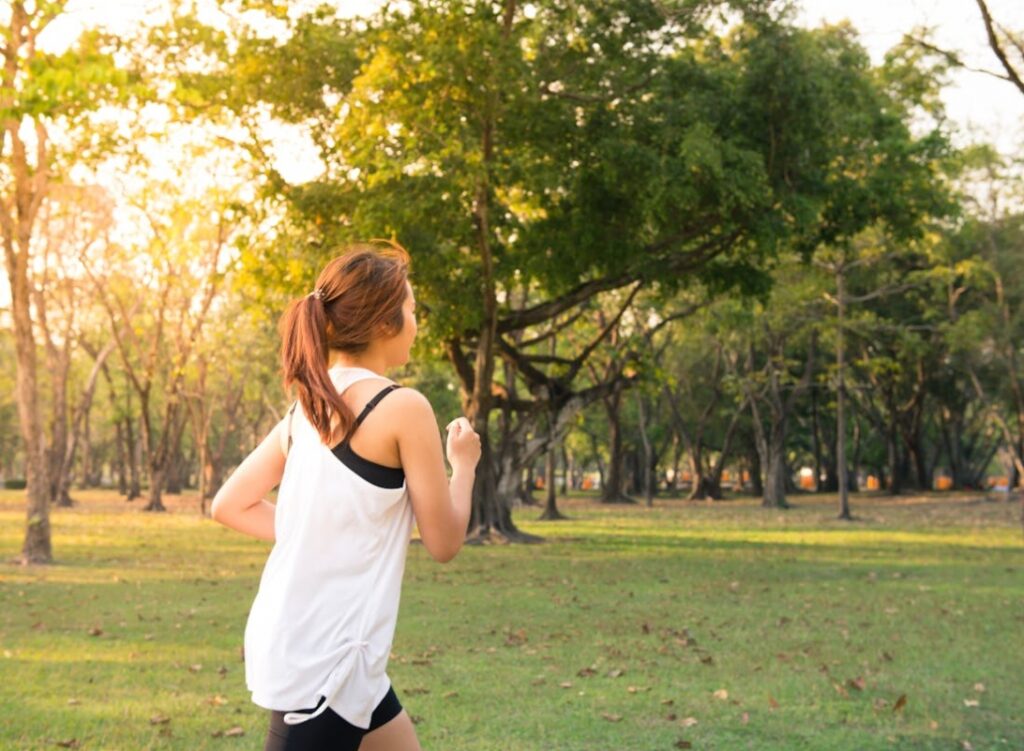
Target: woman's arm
(240, 503)
(441, 506)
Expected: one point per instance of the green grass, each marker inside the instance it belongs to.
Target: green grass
(614, 634)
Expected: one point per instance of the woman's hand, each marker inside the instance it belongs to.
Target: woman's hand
(463, 445)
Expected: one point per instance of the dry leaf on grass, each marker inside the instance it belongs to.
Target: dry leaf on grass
(611, 717)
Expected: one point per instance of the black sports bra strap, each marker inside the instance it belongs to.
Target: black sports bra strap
(369, 407)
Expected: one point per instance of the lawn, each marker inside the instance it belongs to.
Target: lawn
(687, 625)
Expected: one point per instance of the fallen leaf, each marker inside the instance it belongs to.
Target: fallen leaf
(745, 718)
(933, 725)
(979, 687)
(879, 703)
(683, 744)
(772, 703)
(566, 684)
(671, 717)
(234, 732)
(450, 694)
(966, 746)
(74, 702)
(971, 702)
(857, 683)
(70, 743)
(840, 690)
(668, 702)
(707, 659)
(615, 673)
(95, 631)
(195, 668)
(900, 703)
(688, 722)
(217, 701)
(611, 717)
(159, 719)
(637, 689)
(586, 672)
(721, 694)
(515, 638)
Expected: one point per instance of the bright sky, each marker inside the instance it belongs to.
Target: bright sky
(992, 109)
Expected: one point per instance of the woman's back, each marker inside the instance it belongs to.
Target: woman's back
(328, 599)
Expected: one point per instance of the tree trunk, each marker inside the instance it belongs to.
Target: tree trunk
(774, 495)
(855, 477)
(756, 472)
(157, 476)
(135, 449)
(844, 485)
(893, 459)
(612, 488)
(551, 512)
(816, 441)
(698, 483)
(647, 455)
(36, 547)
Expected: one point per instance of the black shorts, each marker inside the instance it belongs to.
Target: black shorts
(329, 731)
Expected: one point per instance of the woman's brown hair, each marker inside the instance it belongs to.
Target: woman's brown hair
(358, 296)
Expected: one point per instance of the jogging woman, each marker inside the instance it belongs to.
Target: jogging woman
(357, 458)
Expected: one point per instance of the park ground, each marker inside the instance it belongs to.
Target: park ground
(686, 625)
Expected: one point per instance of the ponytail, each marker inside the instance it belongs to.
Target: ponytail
(358, 295)
(304, 353)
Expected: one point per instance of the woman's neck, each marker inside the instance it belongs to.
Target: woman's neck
(368, 360)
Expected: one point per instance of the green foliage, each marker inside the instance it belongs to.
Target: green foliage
(607, 140)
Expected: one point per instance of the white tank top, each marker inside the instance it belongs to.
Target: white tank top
(323, 620)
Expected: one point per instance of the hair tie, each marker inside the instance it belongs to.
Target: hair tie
(318, 293)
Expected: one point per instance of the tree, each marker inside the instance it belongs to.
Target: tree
(42, 93)
(179, 269)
